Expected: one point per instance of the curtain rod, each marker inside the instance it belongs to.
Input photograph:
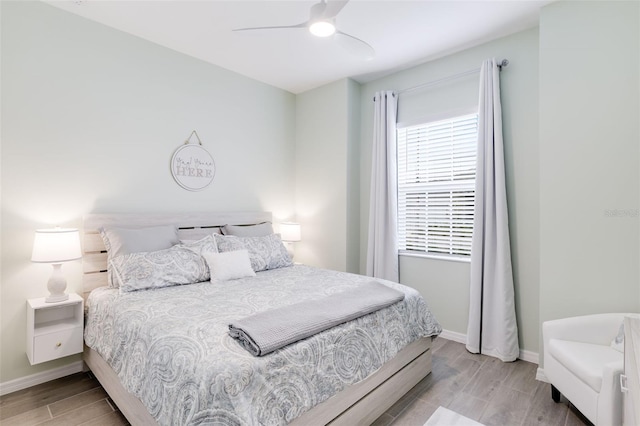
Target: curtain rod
(501, 64)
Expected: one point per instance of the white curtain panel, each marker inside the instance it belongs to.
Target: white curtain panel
(492, 328)
(382, 248)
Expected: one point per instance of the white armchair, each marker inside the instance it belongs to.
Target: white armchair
(580, 363)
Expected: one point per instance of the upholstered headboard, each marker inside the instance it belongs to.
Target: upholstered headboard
(190, 226)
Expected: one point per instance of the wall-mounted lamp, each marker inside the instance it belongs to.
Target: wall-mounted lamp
(56, 246)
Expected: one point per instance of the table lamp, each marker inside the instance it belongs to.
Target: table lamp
(290, 232)
(56, 246)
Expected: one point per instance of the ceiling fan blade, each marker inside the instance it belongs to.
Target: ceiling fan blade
(356, 46)
(332, 8)
(302, 25)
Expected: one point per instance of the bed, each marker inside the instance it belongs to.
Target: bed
(154, 350)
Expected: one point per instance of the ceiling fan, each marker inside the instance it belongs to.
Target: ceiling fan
(322, 23)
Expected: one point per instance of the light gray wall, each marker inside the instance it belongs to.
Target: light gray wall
(353, 177)
(445, 284)
(90, 119)
(589, 158)
(326, 164)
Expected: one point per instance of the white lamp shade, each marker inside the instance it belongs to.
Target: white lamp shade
(56, 245)
(290, 231)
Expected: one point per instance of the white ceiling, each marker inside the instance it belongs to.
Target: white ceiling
(403, 33)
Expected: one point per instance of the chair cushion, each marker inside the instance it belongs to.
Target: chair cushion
(584, 360)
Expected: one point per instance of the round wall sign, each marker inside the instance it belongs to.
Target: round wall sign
(192, 167)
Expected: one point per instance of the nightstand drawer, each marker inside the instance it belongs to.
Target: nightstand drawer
(56, 345)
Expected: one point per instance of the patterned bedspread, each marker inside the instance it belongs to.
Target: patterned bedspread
(171, 347)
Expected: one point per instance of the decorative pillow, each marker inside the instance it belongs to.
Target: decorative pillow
(206, 244)
(618, 342)
(230, 265)
(122, 241)
(178, 265)
(259, 230)
(266, 252)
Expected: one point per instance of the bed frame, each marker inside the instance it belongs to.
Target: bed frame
(359, 404)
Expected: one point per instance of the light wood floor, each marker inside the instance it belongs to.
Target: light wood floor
(476, 386)
(484, 389)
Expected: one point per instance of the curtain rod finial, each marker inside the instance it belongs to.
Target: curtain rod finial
(504, 63)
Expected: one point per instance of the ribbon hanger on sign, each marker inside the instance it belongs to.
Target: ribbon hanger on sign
(191, 135)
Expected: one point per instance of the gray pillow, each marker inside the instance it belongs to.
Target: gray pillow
(179, 265)
(265, 252)
(122, 241)
(259, 230)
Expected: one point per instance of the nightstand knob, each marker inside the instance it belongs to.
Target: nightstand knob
(58, 344)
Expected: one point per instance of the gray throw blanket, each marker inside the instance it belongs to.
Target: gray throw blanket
(270, 330)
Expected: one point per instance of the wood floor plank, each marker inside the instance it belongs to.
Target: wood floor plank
(416, 413)
(487, 380)
(508, 407)
(448, 349)
(450, 377)
(48, 393)
(468, 406)
(77, 401)
(437, 343)
(114, 418)
(81, 414)
(33, 391)
(28, 418)
(543, 411)
(522, 378)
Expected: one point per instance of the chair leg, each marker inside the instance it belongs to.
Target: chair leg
(555, 394)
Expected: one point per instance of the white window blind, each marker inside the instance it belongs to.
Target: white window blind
(436, 185)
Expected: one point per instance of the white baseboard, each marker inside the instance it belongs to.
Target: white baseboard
(528, 356)
(454, 336)
(540, 376)
(39, 378)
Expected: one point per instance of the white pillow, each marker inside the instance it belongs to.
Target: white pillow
(230, 265)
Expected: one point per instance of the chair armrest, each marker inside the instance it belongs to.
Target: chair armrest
(597, 329)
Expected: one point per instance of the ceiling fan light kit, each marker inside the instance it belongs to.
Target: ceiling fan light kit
(321, 23)
(322, 28)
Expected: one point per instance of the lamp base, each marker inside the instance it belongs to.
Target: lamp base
(57, 285)
(52, 298)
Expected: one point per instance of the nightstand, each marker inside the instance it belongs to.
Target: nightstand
(54, 330)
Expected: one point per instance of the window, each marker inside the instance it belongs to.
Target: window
(436, 185)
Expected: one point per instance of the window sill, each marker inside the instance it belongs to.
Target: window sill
(449, 258)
